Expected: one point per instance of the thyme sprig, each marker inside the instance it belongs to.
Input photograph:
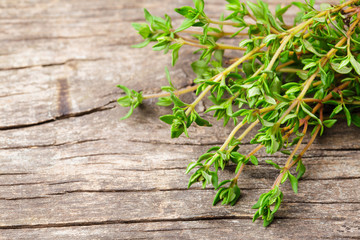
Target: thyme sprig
(284, 78)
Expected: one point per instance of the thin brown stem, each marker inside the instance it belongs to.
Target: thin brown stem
(255, 150)
(197, 44)
(166, 94)
(233, 24)
(296, 147)
(286, 167)
(219, 35)
(284, 65)
(312, 139)
(292, 70)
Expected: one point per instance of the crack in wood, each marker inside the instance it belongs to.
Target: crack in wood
(174, 229)
(100, 154)
(14, 173)
(70, 115)
(176, 143)
(64, 182)
(127, 190)
(151, 170)
(53, 64)
(21, 198)
(331, 179)
(20, 184)
(321, 203)
(119, 221)
(38, 183)
(341, 149)
(55, 38)
(54, 144)
(12, 94)
(153, 220)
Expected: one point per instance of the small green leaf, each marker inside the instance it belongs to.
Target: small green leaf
(347, 115)
(256, 215)
(329, 123)
(177, 101)
(187, 12)
(161, 45)
(164, 101)
(237, 195)
(280, 11)
(321, 19)
(336, 110)
(356, 120)
(310, 48)
(269, 38)
(343, 70)
(294, 182)
(254, 91)
(284, 177)
(238, 166)
(185, 25)
(288, 117)
(167, 119)
(217, 197)
(224, 182)
(303, 107)
(143, 44)
(199, 67)
(310, 65)
(125, 89)
(148, 16)
(268, 221)
(206, 176)
(257, 10)
(325, 6)
(344, 62)
(300, 169)
(128, 114)
(270, 100)
(202, 122)
(168, 77)
(199, 5)
(175, 56)
(277, 205)
(214, 179)
(272, 163)
(245, 42)
(124, 101)
(355, 64)
(254, 160)
(191, 166)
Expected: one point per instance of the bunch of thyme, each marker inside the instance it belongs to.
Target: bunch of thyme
(283, 80)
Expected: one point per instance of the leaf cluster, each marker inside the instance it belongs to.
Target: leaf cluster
(289, 82)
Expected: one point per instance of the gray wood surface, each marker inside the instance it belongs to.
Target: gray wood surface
(69, 169)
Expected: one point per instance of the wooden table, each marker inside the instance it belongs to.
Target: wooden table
(70, 169)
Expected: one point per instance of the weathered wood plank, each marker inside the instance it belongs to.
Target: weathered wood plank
(198, 229)
(119, 175)
(70, 169)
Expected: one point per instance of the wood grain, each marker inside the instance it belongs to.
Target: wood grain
(69, 169)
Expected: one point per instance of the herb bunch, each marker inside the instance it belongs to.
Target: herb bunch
(281, 83)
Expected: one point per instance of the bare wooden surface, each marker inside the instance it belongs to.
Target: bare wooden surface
(69, 169)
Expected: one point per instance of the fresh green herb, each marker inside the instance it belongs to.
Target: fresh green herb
(283, 80)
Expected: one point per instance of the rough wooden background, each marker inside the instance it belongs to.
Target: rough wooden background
(69, 169)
